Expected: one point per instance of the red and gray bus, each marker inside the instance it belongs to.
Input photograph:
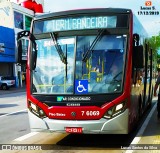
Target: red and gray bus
(69, 83)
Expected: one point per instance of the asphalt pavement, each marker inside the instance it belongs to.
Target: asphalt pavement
(147, 139)
(13, 90)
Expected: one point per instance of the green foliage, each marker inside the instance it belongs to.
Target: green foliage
(154, 42)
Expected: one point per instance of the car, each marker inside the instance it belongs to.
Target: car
(6, 82)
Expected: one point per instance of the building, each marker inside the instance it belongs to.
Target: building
(14, 18)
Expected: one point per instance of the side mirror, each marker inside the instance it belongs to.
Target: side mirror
(19, 47)
(19, 44)
(138, 57)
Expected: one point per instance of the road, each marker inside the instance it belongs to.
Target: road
(13, 116)
(14, 129)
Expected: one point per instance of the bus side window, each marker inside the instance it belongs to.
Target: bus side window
(137, 61)
(138, 76)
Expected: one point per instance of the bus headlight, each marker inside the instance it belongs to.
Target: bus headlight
(115, 110)
(36, 110)
(33, 107)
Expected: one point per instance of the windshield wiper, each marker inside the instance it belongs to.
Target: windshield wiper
(98, 37)
(58, 48)
(60, 52)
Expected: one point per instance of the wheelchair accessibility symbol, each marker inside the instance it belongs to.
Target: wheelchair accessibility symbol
(81, 86)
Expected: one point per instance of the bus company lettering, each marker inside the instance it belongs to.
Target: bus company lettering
(73, 104)
(61, 98)
(56, 114)
(79, 98)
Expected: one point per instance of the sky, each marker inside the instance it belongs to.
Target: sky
(150, 22)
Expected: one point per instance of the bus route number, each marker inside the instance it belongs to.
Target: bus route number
(90, 113)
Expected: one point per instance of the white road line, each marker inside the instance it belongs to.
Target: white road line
(13, 113)
(142, 129)
(26, 136)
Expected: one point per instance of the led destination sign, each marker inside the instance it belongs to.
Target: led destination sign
(79, 23)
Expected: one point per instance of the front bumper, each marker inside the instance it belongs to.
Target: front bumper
(117, 125)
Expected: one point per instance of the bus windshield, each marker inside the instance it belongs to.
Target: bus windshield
(101, 72)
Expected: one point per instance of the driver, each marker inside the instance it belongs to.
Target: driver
(115, 73)
(116, 78)
(114, 70)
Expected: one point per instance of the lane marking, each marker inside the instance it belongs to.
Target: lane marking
(142, 129)
(13, 113)
(26, 136)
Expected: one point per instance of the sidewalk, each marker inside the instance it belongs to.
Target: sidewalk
(148, 137)
(151, 135)
(13, 90)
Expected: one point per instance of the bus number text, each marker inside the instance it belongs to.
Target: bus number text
(90, 113)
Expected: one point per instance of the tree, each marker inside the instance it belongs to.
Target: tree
(154, 42)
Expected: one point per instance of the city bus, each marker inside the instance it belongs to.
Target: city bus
(70, 85)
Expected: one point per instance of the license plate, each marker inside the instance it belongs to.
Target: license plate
(74, 129)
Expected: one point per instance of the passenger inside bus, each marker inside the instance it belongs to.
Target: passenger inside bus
(96, 68)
